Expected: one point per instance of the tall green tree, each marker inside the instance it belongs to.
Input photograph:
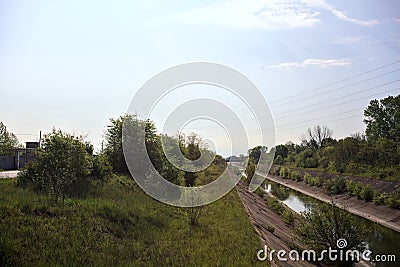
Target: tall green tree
(7, 139)
(382, 118)
(113, 149)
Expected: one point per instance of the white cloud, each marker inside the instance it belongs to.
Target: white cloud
(313, 62)
(349, 40)
(266, 14)
(340, 14)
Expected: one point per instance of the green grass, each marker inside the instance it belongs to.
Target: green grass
(118, 224)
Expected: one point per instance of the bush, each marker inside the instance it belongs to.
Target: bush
(323, 162)
(313, 181)
(275, 170)
(354, 168)
(279, 160)
(276, 206)
(284, 172)
(288, 216)
(393, 200)
(306, 159)
(335, 186)
(250, 170)
(307, 177)
(102, 168)
(295, 175)
(367, 193)
(379, 198)
(62, 167)
(270, 229)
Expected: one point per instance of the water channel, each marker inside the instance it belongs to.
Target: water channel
(380, 239)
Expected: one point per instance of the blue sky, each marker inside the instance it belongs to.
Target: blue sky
(74, 64)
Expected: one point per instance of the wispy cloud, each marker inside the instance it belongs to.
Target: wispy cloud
(313, 62)
(340, 14)
(349, 40)
(267, 14)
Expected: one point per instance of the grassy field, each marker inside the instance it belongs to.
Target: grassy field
(118, 224)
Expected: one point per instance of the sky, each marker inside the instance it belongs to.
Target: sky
(73, 65)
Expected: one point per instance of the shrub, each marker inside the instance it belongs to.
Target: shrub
(276, 206)
(284, 172)
(306, 159)
(393, 200)
(288, 216)
(275, 170)
(295, 175)
(62, 167)
(315, 181)
(259, 191)
(279, 160)
(350, 185)
(250, 170)
(270, 229)
(354, 168)
(379, 198)
(367, 193)
(307, 177)
(335, 185)
(323, 162)
(102, 168)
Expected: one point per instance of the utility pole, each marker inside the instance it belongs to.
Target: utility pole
(40, 137)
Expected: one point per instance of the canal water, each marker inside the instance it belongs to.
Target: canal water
(380, 240)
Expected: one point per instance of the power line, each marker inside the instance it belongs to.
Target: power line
(321, 108)
(327, 101)
(307, 125)
(337, 82)
(335, 89)
(324, 117)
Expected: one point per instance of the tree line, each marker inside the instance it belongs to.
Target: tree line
(66, 165)
(375, 154)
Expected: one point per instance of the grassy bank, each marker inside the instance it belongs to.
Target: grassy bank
(118, 224)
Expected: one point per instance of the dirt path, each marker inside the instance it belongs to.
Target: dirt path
(380, 214)
(262, 217)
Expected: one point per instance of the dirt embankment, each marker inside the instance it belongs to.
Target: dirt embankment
(377, 213)
(263, 218)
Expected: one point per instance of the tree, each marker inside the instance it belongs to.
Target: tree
(383, 119)
(113, 150)
(192, 152)
(7, 140)
(255, 153)
(317, 137)
(323, 225)
(62, 167)
(281, 150)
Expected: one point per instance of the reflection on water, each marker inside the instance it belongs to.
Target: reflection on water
(380, 239)
(297, 202)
